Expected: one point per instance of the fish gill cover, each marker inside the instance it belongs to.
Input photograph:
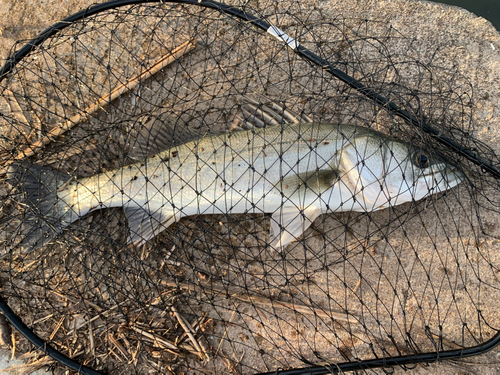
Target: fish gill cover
(183, 191)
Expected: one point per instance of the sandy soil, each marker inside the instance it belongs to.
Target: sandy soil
(470, 49)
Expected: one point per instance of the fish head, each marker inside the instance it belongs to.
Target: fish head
(412, 173)
(383, 171)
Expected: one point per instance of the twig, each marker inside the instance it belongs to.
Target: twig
(159, 341)
(225, 333)
(267, 302)
(356, 287)
(27, 266)
(122, 336)
(167, 260)
(5, 332)
(229, 364)
(180, 350)
(28, 355)
(135, 357)
(196, 327)
(76, 302)
(120, 348)
(111, 351)
(28, 368)
(61, 321)
(91, 339)
(65, 184)
(189, 331)
(99, 316)
(261, 313)
(13, 336)
(102, 102)
(39, 124)
(205, 347)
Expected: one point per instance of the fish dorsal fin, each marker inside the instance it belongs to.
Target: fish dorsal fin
(152, 134)
(290, 222)
(144, 225)
(264, 112)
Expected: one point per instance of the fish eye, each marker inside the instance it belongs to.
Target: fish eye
(421, 159)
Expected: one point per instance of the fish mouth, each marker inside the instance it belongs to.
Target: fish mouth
(445, 177)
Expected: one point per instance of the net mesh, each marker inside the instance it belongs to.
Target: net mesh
(209, 292)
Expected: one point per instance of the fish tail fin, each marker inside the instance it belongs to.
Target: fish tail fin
(47, 211)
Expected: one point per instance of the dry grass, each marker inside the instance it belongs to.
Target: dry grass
(209, 296)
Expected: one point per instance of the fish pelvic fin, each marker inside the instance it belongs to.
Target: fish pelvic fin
(289, 223)
(291, 220)
(47, 211)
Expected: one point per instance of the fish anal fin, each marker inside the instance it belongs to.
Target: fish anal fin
(290, 222)
(144, 225)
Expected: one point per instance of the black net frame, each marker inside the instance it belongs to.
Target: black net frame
(455, 141)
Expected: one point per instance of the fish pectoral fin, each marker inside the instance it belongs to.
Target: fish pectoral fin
(317, 181)
(290, 222)
(144, 225)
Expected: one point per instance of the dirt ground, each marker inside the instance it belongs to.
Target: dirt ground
(471, 45)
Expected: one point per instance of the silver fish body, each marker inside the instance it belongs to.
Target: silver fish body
(295, 172)
(238, 172)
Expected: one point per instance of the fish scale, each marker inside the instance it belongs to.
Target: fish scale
(295, 172)
(238, 166)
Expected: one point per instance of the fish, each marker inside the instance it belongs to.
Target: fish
(293, 169)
